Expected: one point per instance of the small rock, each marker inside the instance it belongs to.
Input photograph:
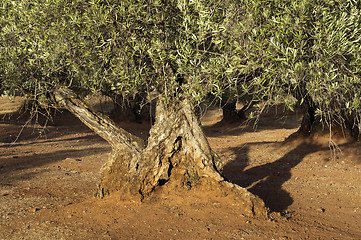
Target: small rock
(321, 210)
(33, 210)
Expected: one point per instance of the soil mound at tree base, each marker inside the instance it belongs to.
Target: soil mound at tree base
(208, 190)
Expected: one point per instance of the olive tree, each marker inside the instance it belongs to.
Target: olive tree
(305, 53)
(58, 51)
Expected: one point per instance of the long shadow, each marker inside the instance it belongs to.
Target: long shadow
(266, 180)
(16, 128)
(11, 169)
(47, 140)
(57, 118)
(19, 164)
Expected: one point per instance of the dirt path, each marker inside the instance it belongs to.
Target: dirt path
(47, 185)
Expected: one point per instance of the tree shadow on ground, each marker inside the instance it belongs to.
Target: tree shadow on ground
(17, 127)
(266, 180)
(38, 140)
(13, 167)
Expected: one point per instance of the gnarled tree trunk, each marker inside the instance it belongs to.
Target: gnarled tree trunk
(312, 126)
(177, 154)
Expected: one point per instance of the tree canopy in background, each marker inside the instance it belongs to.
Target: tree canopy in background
(306, 53)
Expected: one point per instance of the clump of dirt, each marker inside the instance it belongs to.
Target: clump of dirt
(47, 186)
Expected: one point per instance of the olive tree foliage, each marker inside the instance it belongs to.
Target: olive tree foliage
(304, 53)
(176, 48)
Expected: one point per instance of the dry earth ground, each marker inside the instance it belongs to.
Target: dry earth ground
(47, 184)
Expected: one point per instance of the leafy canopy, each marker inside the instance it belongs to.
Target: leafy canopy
(279, 51)
(174, 47)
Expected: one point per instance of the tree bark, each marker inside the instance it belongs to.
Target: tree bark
(308, 120)
(177, 154)
(312, 126)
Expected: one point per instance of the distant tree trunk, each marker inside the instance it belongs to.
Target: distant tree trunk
(308, 120)
(177, 154)
(232, 114)
(312, 125)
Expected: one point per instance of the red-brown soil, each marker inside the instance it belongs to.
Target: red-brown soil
(47, 186)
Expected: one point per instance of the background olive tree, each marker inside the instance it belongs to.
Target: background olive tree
(304, 53)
